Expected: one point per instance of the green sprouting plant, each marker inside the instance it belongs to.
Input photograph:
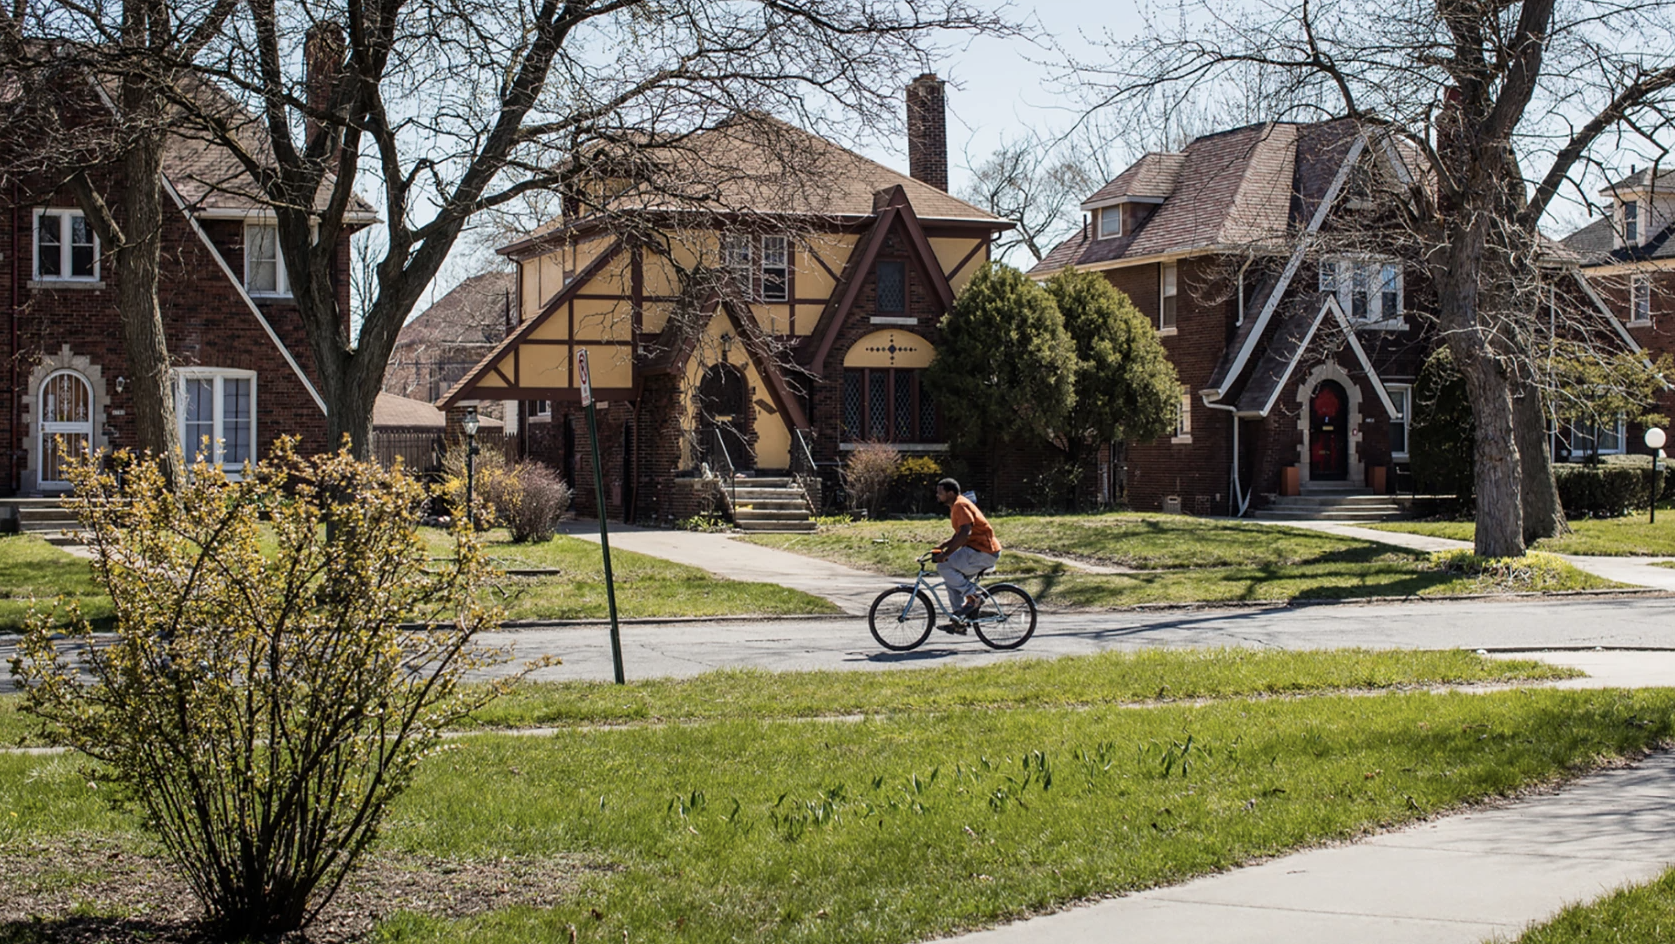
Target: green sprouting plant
(285, 656)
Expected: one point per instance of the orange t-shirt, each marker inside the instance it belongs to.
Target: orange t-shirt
(963, 512)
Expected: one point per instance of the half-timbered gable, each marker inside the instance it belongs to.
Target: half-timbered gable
(770, 329)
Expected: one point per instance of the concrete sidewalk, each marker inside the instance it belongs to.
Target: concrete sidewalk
(851, 589)
(1458, 880)
(1637, 571)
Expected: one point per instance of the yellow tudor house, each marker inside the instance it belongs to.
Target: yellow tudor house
(766, 328)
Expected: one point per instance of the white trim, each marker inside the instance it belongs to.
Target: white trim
(1331, 304)
(267, 213)
(1611, 316)
(1167, 273)
(1639, 298)
(1119, 201)
(281, 278)
(66, 250)
(250, 303)
(1303, 246)
(1406, 419)
(893, 320)
(1099, 222)
(218, 419)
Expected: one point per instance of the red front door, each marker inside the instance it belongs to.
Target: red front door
(1329, 432)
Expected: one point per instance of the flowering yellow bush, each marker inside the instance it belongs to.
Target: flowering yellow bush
(285, 655)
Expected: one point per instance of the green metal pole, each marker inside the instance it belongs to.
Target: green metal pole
(604, 541)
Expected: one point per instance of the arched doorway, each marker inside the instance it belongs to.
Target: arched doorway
(722, 418)
(65, 424)
(1329, 433)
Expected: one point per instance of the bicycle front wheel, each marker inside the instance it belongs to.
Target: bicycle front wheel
(1007, 619)
(901, 619)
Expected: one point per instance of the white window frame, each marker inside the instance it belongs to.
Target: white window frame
(1339, 275)
(738, 255)
(1631, 222)
(1114, 212)
(65, 249)
(217, 437)
(281, 278)
(776, 247)
(1639, 300)
(1183, 418)
(1401, 396)
(1168, 297)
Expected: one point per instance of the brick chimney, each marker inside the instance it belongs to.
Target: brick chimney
(323, 50)
(927, 131)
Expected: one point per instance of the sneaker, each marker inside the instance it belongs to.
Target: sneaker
(957, 629)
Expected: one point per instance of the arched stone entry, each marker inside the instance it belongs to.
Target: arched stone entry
(1329, 433)
(723, 417)
(1347, 423)
(66, 398)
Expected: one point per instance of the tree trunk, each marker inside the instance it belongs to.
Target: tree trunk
(136, 261)
(1543, 515)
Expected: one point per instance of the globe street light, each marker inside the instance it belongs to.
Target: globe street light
(470, 424)
(1654, 442)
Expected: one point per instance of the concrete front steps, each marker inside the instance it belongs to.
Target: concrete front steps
(768, 504)
(1331, 501)
(46, 517)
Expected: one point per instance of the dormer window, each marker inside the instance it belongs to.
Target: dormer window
(1368, 290)
(1631, 223)
(1110, 222)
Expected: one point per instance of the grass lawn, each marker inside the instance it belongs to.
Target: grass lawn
(1606, 537)
(30, 568)
(645, 586)
(935, 817)
(1644, 914)
(1178, 559)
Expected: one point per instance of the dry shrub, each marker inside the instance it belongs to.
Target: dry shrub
(528, 498)
(285, 655)
(867, 475)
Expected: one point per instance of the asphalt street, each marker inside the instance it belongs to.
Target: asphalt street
(689, 648)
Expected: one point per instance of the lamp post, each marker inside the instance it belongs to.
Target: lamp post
(470, 424)
(1654, 442)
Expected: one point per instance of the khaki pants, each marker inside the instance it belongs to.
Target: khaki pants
(958, 570)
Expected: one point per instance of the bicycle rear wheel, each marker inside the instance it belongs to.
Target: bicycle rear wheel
(1007, 619)
(901, 619)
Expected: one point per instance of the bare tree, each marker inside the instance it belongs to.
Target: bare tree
(131, 56)
(442, 109)
(1458, 97)
(1038, 185)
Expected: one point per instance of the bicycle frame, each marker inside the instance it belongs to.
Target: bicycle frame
(935, 588)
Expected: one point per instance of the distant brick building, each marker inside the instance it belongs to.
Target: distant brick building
(243, 372)
(438, 347)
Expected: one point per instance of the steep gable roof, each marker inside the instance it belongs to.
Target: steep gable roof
(475, 312)
(1595, 242)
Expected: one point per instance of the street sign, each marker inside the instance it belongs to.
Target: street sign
(582, 377)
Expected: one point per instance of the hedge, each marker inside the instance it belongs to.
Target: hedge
(1611, 489)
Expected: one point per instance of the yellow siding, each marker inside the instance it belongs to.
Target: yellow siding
(812, 280)
(949, 252)
(551, 279)
(655, 315)
(556, 328)
(599, 320)
(544, 365)
(660, 278)
(773, 432)
(529, 288)
(609, 366)
(776, 319)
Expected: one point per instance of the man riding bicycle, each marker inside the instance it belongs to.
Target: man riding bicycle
(970, 551)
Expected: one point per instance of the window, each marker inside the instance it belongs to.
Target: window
(886, 405)
(1631, 223)
(218, 415)
(1590, 438)
(1368, 290)
(264, 265)
(736, 255)
(538, 408)
(65, 247)
(776, 269)
(1166, 314)
(1640, 300)
(1183, 418)
(892, 286)
(1110, 222)
(1401, 398)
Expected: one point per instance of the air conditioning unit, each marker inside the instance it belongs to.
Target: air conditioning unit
(1172, 505)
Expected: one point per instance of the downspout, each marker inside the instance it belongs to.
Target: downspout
(1238, 500)
(15, 403)
(1242, 269)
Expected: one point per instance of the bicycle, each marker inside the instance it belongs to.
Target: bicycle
(1004, 618)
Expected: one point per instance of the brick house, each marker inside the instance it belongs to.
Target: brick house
(243, 371)
(768, 336)
(1628, 255)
